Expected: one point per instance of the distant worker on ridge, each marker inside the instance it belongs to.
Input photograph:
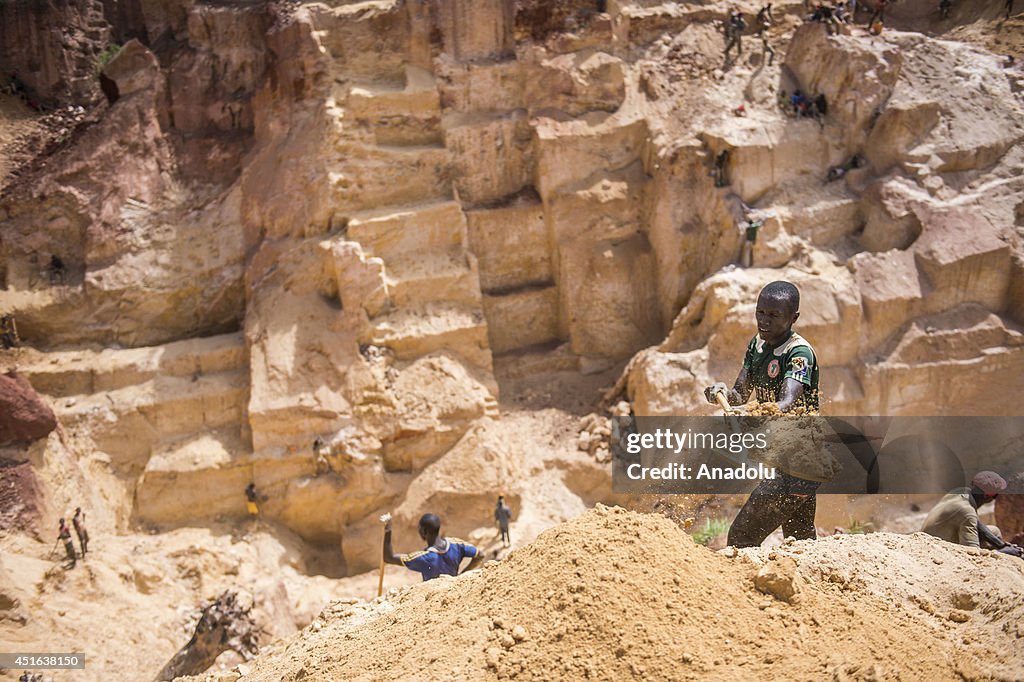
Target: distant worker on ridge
(840, 171)
(64, 535)
(734, 27)
(78, 521)
(801, 105)
(839, 12)
(749, 230)
(9, 332)
(502, 515)
(879, 12)
(825, 14)
(720, 171)
(442, 555)
(251, 498)
(764, 21)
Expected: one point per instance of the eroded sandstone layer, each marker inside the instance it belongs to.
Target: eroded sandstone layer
(355, 221)
(335, 220)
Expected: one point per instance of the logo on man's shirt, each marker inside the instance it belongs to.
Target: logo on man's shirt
(798, 367)
(773, 368)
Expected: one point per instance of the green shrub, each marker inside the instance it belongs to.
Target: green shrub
(712, 529)
(108, 53)
(858, 527)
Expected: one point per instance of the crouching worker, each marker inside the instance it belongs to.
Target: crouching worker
(955, 517)
(779, 367)
(442, 555)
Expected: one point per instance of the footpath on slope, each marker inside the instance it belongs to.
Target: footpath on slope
(615, 595)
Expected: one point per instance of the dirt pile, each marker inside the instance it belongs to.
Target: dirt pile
(940, 584)
(618, 595)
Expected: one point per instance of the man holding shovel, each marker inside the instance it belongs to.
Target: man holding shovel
(442, 555)
(780, 367)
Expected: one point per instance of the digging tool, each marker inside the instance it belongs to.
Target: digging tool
(384, 518)
(50, 555)
(742, 458)
(730, 410)
(723, 401)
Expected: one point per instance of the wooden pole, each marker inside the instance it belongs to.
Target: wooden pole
(380, 580)
(723, 401)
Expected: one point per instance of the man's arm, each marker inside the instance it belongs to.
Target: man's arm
(389, 555)
(988, 538)
(477, 556)
(741, 388)
(790, 393)
(475, 561)
(737, 395)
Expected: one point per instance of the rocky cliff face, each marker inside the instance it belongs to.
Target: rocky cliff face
(25, 417)
(54, 48)
(921, 241)
(336, 220)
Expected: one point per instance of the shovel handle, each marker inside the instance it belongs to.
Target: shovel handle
(723, 401)
(384, 518)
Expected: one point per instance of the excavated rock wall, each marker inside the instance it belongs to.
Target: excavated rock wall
(926, 234)
(53, 48)
(141, 211)
(332, 223)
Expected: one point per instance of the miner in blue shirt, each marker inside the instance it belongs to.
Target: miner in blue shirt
(442, 555)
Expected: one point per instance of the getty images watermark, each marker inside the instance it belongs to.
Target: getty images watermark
(676, 442)
(849, 455)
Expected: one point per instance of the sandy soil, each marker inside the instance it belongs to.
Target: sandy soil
(616, 595)
(1002, 37)
(144, 592)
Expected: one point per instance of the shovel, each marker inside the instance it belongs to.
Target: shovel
(384, 518)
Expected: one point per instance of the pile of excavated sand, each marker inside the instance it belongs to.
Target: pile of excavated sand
(616, 595)
(945, 586)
